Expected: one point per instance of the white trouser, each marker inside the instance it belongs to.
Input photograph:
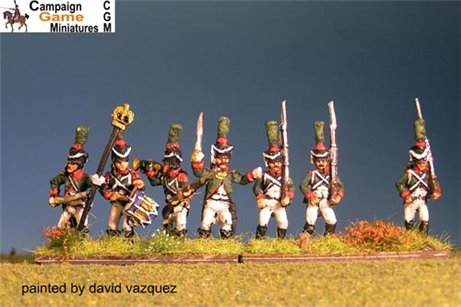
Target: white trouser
(68, 213)
(115, 212)
(418, 204)
(216, 212)
(177, 216)
(324, 209)
(273, 208)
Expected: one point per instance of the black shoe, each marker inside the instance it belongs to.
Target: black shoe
(424, 228)
(281, 233)
(113, 233)
(309, 228)
(409, 225)
(261, 232)
(129, 234)
(329, 229)
(225, 234)
(202, 233)
(168, 229)
(180, 233)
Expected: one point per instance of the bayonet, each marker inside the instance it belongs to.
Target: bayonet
(198, 141)
(284, 150)
(428, 145)
(333, 150)
(197, 154)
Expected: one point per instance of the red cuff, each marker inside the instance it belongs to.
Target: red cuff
(250, 176)
(309, 195)
(197, 165)
(182, 177)
(404, 194)
(259, 196)
(54, 192)
(150, 174)
(291, 194)
(135, 175)
(340, 193)
(107, 194)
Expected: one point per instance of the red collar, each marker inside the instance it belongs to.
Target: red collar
(78, 174)
(326, 170)
(122, 172)
(418, 171)
(274, 173)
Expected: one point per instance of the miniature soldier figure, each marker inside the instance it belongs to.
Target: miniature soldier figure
(417, 185)
(268, 188)
(316, 187)
(76, 182)
(172, 177)
(218, 206)
(120, 183)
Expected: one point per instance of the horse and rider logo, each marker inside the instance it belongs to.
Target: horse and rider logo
(13, 15)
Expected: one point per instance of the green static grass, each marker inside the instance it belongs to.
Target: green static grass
(272, 246)
(417, 242)
(362, 236)
(167, 245)
(330, 245)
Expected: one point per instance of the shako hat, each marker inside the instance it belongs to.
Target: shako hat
(77, 153)
(120, 150)
(222, 146)
(320, 151)
(173, 154)
(272, 154)
(420, 151)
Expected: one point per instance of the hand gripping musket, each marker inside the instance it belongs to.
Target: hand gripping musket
(122, 116)
(70, 198)
(183, 194)
(284, 151)
(333, 151)
(433, 176)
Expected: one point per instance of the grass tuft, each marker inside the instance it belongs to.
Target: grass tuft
(213, 246)
(330, 245)
(272, 246)
(359, 237)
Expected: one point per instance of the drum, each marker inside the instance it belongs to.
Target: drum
(141, 209)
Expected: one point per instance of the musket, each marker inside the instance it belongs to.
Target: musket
(284, 151)
(333, 150)
(428, 145)
(122, 116)
(182, 195)
(70, 198)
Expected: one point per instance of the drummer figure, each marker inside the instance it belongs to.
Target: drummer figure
(170, 175)
(120, 184)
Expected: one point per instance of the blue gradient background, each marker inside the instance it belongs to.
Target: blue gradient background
(240, 59)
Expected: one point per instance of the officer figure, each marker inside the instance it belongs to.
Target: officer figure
(218, 207)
